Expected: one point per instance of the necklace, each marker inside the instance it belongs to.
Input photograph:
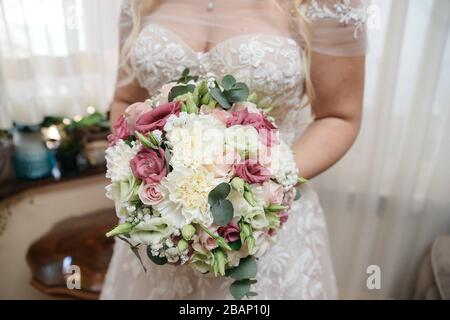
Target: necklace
(210, 5)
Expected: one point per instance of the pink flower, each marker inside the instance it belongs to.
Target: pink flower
(150, 194)
(133, 112)
(149, 165)
(273, 192)
(230, 232)
(283, 215)
(239, 106)
(120, 131)
(206, 240)
(252, 171)
(156, 118)
(265, 128)
(217, 113)
(223, 165)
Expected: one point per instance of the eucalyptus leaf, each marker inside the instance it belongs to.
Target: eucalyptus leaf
(222, 212)
(238, 93)
(240, 288)
(220, 192)
(298, 194)
(228, 82)
(245, 270)
(235, 246)
(180, 90)
(220, 98)
(157, 260)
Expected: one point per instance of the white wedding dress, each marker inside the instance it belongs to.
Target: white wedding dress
(268, 57)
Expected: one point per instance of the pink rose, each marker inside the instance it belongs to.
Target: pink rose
(149, 165)
(223, 165)
(217, 113)
(230, 232)
(273, 192)
(265, 128)
(252, 171)
(283, 215)
(239, 106)
(206, 240)
(156, 118)
(120, 131)
(150, 194)
(133, 112)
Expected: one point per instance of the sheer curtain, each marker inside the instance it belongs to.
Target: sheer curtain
(57, 57)
(389, 197)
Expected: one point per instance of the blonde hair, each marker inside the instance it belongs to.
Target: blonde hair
(140, 8)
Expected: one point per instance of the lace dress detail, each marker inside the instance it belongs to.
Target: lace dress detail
(269, 64)
(298, 264)
(342, 11)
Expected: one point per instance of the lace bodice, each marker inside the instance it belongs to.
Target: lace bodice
(271, 65)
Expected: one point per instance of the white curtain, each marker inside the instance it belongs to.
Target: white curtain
(385, 201)
(390, 195)
(57, 57)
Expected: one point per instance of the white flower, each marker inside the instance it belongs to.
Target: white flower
(262, 242)
(282, 165)
(256, 217)
(152, 231)
(195, 140)
(242, 139)
(240, 205)
(187, 192)
(118, 160)
(121, 192)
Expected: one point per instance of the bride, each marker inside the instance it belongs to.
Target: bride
(292, 54)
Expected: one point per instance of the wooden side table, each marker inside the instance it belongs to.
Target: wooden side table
(77, 241)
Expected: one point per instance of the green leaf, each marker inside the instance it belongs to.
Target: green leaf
(180, 90)
(235, 246)
(130, 139)
(157, 260)
(240, 288)
(298, 194)
(238, 93)
(245, 270)
(220, 98)
(222, 212)
(220, 192)
(228, 82)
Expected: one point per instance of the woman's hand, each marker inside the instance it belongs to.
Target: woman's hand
(337, 108)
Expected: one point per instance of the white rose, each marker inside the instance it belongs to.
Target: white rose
(121, 192)
(152, 231)
(256, 217)
(242, 139)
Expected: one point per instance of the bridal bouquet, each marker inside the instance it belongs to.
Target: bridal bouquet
(200, 177)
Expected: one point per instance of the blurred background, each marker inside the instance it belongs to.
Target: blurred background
(387, 202)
